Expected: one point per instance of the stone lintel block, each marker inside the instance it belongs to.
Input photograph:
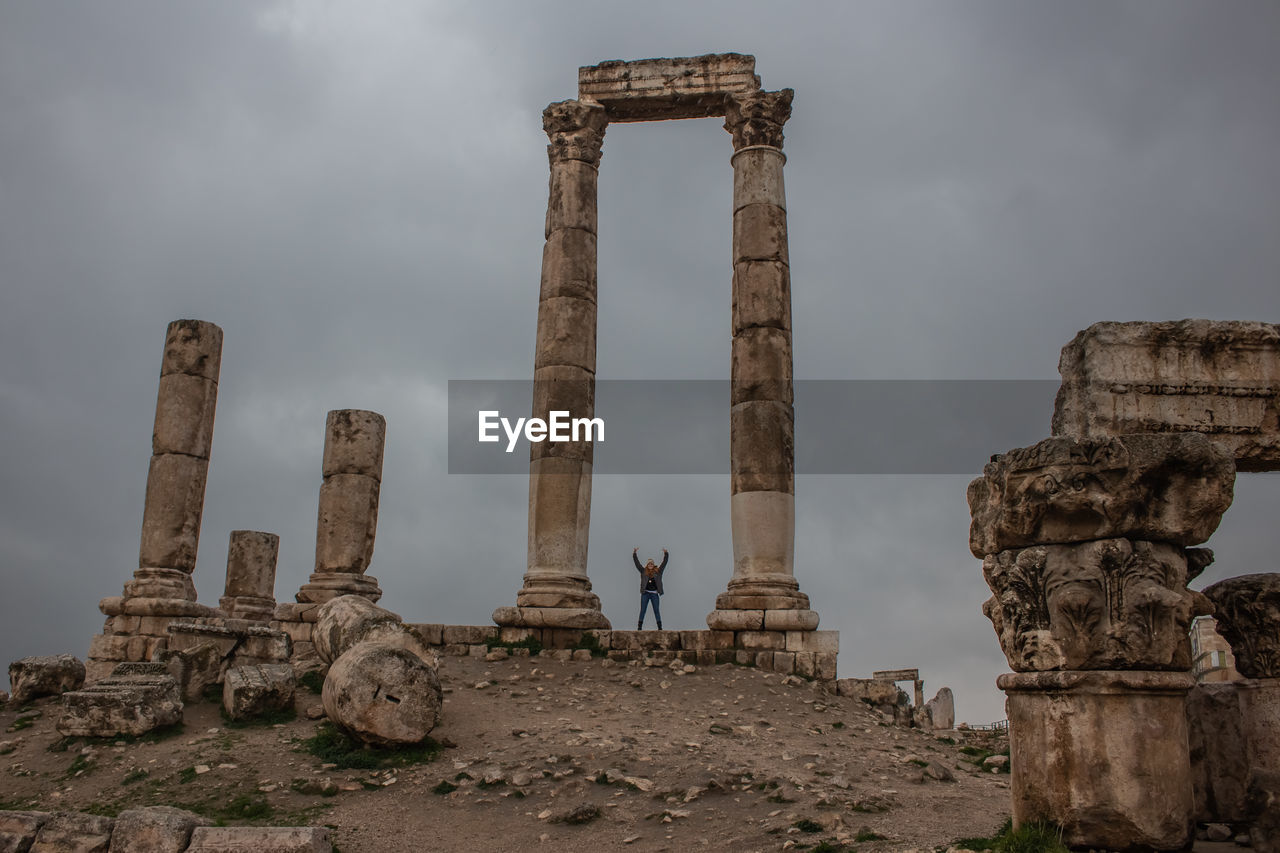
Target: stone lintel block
(251, 564)
(1159, 487)
(353, 443)
(559, 514)
(347, 523)
(65, 831)
(471, 634)
(824, 665)
(569, 264)
(571, 201)
(812, 641)
(1081, 747)
(649, 640)
(185, 408)
(171, 515)
(270, 839)
(564, 388)
(669, 88)
(760, 233)
(757, 177)
(762, 447)
(193, 347)
(566, 333)
(760, 365)
(432, 633)
(18, 829)
(762, 640)
(794, 621)
(761, 295)
(720, 621)
(549, 617)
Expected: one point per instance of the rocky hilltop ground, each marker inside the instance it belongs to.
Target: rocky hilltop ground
(540, 754)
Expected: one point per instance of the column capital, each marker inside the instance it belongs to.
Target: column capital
(576, 130)
(1248, 612)
(756, 118)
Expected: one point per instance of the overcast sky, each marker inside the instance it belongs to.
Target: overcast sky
(355, 193)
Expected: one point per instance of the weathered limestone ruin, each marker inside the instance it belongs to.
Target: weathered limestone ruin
(161, 589)
(763, 595)
(251, 576)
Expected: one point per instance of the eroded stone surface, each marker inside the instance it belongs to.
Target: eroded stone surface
(1218, 378)
(154, 829)
(1106, 604)
(1248, 612)
(1218, 753)
(18, 829)
(135, 699)
(253, 691)
(667, 88)
(350, 619)
(260, 839)
(1165, 488)
(44, 675)
(940, 711)
(353, 443)
(74, 832)
(382, 694)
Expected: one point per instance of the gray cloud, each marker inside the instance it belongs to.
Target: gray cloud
(355, 193)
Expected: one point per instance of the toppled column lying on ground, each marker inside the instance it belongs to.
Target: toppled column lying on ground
(1248, 612)
(382, 684)
(1086, 546)
(161, 589)
(346, 523)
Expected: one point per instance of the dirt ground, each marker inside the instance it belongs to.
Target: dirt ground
(646, 758)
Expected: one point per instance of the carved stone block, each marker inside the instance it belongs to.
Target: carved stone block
(655, 89)
(1170, 488)
(1248, 612)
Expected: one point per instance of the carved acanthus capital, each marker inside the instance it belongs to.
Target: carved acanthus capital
(756, 118)
(1111, 604)
(1248, 612)
(576, 130)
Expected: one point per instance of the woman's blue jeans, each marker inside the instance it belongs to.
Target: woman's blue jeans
(645, 599)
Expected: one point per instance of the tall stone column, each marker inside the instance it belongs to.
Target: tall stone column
(763, 593)
(1086, 548)
(161, 588)
(1248, 612)
(557, 592)
(251, 576)
(348, 514)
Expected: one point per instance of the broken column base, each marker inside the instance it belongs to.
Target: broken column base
(326, 585)
(1102, 754)
(137, 627)
(297, 621)
(137, 698)
(768, 602)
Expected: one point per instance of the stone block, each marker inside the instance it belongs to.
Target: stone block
(154, 829)
(727, 621)
(805, 664)
(744, 657)
(757, 177)
(18, 829)
(433, 633)
(347, 523)
(675, 88)
(133, 700)
(122, 625)
(74, 831)
(561, 638)
(302, 611)
(1164, 488)
(44, 675)
(706, 657)
(353, 443)
(623, 654)
(566, 333)
(477, 651)
(791, 621)
(726, 655)
(761, 365)
(761, 295)
(193, 347)
(824, 666)
(571, 201)
(687, 656)
(194, 668)
(652, 640)
(784, 662)
(764, 660)
(254, 691)
(1246, 609)
(762, 447)
(109, 647)
(1218, 753)
(756, 640)
(658, 656)
(469, 634)
(456, 650)
(1082, 756)
(260, 839)
(299, 632)
(813, 641)
(873, 691)
(519, 635)
(760, 233)
(603, 638)
(171, 514)
(569, 264)
(184, 415)
(1218, 378)
(941, 710)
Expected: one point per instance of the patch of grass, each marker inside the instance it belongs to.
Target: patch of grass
(271, 718)
(186, 775)
(135, 775)
(837, 725)
(868, 835)
(458, 777)
(806, 825)
(241, 808)
(16, 805)
(497, 783)
(332, 745)
(830, 845)
(591, 643)
(80, 764)
(974, 750)
(533, 644)
(947, 740)
(444, 787)
(23, 723)
(918, 762)
(313, 680)
(1032, 837)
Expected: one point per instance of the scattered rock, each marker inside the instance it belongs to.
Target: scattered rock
(995, 763)
(934, 770)
(47, 675)
(1218, 832)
